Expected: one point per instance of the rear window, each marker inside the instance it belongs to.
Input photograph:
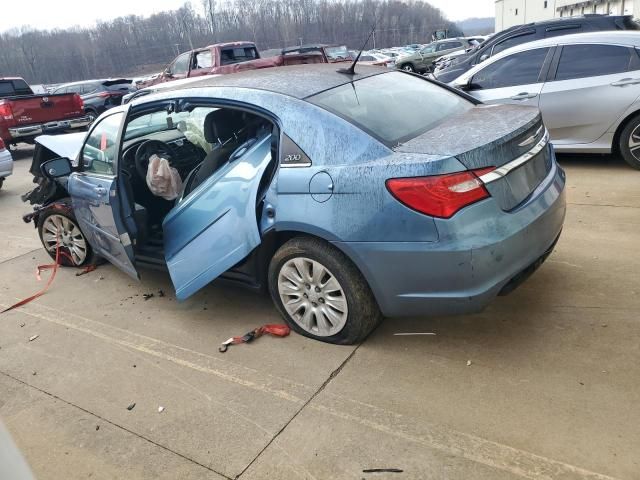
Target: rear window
(14, 87)
(238, 54)
(393, 107)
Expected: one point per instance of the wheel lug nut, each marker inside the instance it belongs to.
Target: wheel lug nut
(305, 295)
(321, 300)
(307, 286)
(314, 304)
(318, 289)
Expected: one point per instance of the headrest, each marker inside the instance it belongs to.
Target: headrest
(220, 125)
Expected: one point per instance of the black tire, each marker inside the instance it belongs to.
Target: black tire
(1, 182)
(63, 209)
(91, 113)
(625, 138)
(408, 67)
(363, 314)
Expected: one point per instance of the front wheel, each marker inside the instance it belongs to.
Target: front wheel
(320, 293)
(630, 143)
(59, 229)
(408, 67)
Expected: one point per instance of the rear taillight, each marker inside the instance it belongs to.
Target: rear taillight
(77, 101)
(441, 195)
(5, 111)
(2, 145)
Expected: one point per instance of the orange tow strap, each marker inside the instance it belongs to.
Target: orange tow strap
(275, 330)
(39, 269)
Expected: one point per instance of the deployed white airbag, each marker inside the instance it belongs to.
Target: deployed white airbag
(162, 179)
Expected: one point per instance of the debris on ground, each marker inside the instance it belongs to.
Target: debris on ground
(160, 409)
(97, 427)
(469, 363)
(412, 334)
(34, 373)
(382, 470)
(131, 407)
(147, 296)
(32, 338)
(161, 293)
(275, 330)
(134, 365)
(22, 324)
(87, 269)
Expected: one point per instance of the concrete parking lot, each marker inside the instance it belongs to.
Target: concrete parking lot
(543, 384)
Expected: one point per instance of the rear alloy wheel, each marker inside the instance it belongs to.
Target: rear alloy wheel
(320, 293)
(57, 228)
(630, 143)
(408, 67)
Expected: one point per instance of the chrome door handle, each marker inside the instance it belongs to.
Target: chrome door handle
(524, 96)
(100, 190)
(626, 81)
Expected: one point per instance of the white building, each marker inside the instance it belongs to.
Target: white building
(518, 12)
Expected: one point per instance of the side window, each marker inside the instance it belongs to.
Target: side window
(580, 61)
(100, 149)
(367, 58)
(203, 59)
(181, 64)
(522, 68)
(512, 42)
(74, 89)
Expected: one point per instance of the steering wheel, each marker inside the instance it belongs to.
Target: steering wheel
(145, 150)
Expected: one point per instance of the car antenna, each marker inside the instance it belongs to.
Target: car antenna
(352, 69)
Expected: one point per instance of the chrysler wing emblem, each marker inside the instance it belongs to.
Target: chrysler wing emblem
(532, 138)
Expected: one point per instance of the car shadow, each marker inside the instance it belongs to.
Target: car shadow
(595, 161)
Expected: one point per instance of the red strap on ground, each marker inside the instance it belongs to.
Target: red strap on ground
(270, 329)
(53, 267)
(40, 268)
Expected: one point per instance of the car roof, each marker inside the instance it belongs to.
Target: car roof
(615, 37)
(299, 81)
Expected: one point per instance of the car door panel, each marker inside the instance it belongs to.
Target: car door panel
(215, 227)
(94, 197)
(515, 79)
(516, 95)
(569, 107)
(94, 202)
(581, 109)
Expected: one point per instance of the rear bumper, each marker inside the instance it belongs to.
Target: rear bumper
(481, 252)
(6, 163)
(50, 127)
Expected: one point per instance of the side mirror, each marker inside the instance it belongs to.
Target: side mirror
(167, 72)
(56, 168)
(464, 85)
(484, 57)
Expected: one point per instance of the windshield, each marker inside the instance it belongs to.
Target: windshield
(160, 121)
(229, 56)
(393, 107)
(337, 53)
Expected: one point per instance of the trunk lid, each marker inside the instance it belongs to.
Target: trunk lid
(493, 136)
(35, 109)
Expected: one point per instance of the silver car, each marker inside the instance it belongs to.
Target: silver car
(6, 162)
(586, 85)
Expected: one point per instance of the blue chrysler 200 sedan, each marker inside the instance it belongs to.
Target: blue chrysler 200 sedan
(348, 197)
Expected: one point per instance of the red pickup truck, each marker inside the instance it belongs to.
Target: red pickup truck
(223, 58)
(25, 115)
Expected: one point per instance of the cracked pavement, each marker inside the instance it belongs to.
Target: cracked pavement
(551, 392)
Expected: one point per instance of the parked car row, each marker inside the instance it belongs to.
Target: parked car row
(587, 87)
